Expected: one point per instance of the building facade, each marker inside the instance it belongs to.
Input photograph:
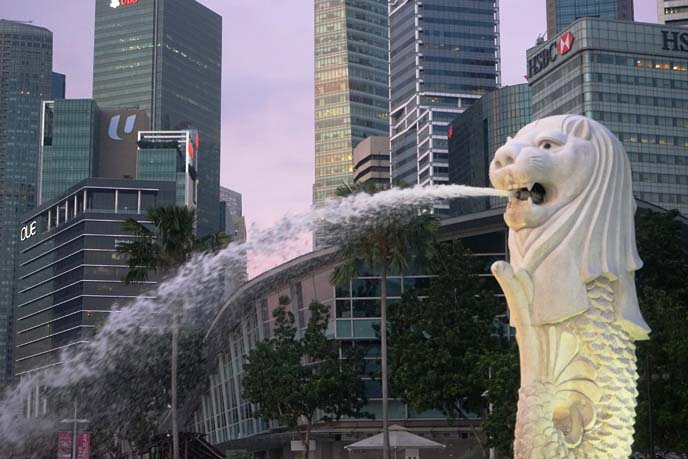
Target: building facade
(69, 274)
(477, 133)
(68, 146)
(80, 140)
(165, 57)
(631, 77)
(246, 318)
(351, 85)
(561, 13)
(371, 162)
(231, 213)
(59, 86)
(672, 12)
(26, 61)
(170, 156)
(444, 56)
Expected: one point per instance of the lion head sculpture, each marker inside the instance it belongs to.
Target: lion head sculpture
(570, 216)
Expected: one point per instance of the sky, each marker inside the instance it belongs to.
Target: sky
(267, 84)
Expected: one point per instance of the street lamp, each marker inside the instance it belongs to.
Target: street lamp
(76, 422)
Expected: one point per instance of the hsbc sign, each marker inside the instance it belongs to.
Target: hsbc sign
(548, 55)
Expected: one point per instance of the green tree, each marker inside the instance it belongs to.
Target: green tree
(440, 336)
(663, 360)
(299, 381)
(503, 380)
(383, 244)
(163, 250)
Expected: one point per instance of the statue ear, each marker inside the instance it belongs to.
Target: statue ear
(580, 128)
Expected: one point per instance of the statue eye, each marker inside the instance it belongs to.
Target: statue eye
(547, 144)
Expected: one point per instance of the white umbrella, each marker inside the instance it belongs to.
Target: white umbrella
(399, 438)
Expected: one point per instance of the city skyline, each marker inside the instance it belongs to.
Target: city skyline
(267, 86)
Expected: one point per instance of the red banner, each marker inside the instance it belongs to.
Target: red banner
(83, 445)
(64, 445)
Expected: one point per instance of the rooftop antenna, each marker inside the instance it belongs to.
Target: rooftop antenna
(540, 39)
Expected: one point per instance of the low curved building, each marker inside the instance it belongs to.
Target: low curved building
(227, 418)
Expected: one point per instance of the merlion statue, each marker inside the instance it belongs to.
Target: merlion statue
(570, 287)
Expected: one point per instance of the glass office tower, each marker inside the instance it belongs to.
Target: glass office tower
(26, 61)
(69, 273)
(444, 56)
(561, 13)
(165, 56)
(633, 78)
(68, 146)
(351, 85)
(475, 136)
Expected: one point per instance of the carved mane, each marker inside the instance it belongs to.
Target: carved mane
(592, 236)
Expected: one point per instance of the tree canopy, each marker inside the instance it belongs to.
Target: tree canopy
(663, 360)
(442, 336)
(299, 381)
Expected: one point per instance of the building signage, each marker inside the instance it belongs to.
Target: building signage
(118, 3)
(118, 135)
(557, 48)
(674, 41)
(83, 445)
(28, 230)
(64, 445)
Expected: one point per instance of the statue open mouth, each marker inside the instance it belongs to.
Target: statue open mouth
(536, 192)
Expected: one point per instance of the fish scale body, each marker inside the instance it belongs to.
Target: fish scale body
(603, 344)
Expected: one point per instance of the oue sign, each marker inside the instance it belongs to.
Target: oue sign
(27, 231)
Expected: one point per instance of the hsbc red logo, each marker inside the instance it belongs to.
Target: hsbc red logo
(549, 54)
(565, 43)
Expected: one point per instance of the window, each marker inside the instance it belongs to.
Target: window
(127, 201)
(101, 200)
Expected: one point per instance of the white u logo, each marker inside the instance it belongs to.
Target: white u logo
(114, 124)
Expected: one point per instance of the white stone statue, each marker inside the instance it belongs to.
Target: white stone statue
(570, 287)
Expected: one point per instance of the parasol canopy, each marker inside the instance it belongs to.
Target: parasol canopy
(399, 438)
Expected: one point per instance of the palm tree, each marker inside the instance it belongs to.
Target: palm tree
(163, 251)
(383, 243)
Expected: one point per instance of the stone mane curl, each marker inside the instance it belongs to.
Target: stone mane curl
(592, 236)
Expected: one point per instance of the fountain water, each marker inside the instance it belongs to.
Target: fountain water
(196, 287)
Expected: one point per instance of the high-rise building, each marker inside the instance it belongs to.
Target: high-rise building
(673, 12)
(79, 141)
(165, 57)
(371, 162)
(59, 85)
(561, 13)
(631, 77)
(26, 61)
(477, 133)
(69, 145)
(232, 221)
(69, 273)
(444, 56)
(169, 156)
(351, 85)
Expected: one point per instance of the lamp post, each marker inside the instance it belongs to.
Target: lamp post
(75, 422)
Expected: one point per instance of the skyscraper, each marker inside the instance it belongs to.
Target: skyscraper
(561, 13)
(444, 56)
(232, 222)
(673, 12)
(477, 133)
(351, 85)
(631, 77)
(26, 60)
(165, 56)
(59, 85)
